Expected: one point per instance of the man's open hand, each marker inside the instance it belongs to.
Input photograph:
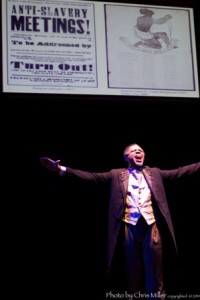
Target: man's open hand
(50, 164)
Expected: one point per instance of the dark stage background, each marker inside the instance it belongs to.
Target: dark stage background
(54, 231)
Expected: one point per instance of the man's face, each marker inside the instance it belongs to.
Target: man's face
(135, 156)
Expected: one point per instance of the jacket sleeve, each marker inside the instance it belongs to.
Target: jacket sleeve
(89, 176)
(181, 171)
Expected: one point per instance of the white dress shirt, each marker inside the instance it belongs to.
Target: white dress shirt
(138, 199)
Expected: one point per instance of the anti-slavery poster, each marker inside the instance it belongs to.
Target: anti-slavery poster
(50, 44)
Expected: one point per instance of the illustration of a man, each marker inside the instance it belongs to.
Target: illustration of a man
(143, 31)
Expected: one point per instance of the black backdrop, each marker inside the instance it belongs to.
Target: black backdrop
(55, 231)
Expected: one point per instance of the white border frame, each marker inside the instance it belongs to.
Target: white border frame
(103, 53)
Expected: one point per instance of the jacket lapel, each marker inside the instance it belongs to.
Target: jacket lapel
(148, 176)
(124, 175)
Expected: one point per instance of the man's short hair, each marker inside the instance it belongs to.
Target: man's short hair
(146, 11)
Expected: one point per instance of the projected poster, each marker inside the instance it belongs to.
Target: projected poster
(50, 44)
(149, 51)
(79, 47)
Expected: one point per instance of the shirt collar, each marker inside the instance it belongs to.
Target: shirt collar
(132, 170)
